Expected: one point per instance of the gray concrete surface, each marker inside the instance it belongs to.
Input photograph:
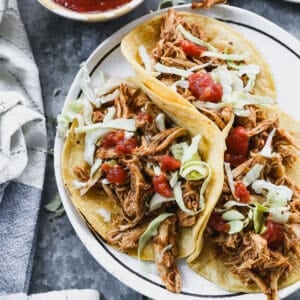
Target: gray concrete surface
(59, 45)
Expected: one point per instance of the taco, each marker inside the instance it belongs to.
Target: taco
(200, 63)
(136, 172)
(252, 240)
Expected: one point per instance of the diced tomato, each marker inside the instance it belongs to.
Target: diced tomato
(116, 174)
(237, 141)
(242, 192)
(235, 159)
(169, 163)
(273, 234)
(126, 146)
(143, 116)
(105, 167)
(205, 88)
(217, 223)
(111, 139)
(162, 186)
(191, 49)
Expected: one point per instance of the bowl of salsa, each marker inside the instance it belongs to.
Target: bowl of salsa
(90, 10)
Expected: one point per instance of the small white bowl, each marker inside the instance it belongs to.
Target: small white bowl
(90, 16)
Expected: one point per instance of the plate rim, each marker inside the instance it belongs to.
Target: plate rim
(80, 227)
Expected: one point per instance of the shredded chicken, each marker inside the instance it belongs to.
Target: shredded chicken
(165, 257)
(127, 239)
(206, 3)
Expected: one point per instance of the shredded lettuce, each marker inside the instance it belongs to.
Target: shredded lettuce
(145, 58)
(85, 84)
(267, 149)
(151, 231)
(157, 201)
(253, 174)
(192, 151)
(229, 204)
(160, 122)
(194, 39)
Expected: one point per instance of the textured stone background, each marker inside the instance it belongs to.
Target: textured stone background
(59, 45)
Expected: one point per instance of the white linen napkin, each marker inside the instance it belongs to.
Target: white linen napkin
(57, 295)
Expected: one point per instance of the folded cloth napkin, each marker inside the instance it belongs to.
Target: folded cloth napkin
(23, 151)
(62, 295)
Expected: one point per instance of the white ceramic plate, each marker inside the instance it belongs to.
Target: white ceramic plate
(281, 50)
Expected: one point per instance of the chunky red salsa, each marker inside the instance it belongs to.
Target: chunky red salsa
(91, 5)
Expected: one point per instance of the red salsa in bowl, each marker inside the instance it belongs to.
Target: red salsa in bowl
(91, 5)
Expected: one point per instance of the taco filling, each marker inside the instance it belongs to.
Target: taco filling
(254, 229)
(140, 161)
(218, 81)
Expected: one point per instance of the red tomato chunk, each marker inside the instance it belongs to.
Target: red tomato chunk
(205, 88)
(273, 234)
(126, 146)
(241, 192)
(116, 174)
(191, 49)
(237, 144)
(169, 163)
(162, 186)
(111, 139)
(116, 139)
(217, 223)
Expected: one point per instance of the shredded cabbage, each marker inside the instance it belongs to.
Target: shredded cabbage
(232, 57)
(91, 139)
(107, 98)
(95, 167)
(267, 149)
(111, 112)
(253, 174)
(180, 83)
(70, 112)
(194, 170)
(126, 124)
(85, 84)
(151, 231)
(230, 178)
(279, 214)
(229, 204)
(110, 85)
(87, 111)
(173, 180)
(235, 226)
(232, 215)
(194, 39)
(160, 122)
(172, 70)
(145, 58)
(157, 201)
(258, 217)
(191, 152)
